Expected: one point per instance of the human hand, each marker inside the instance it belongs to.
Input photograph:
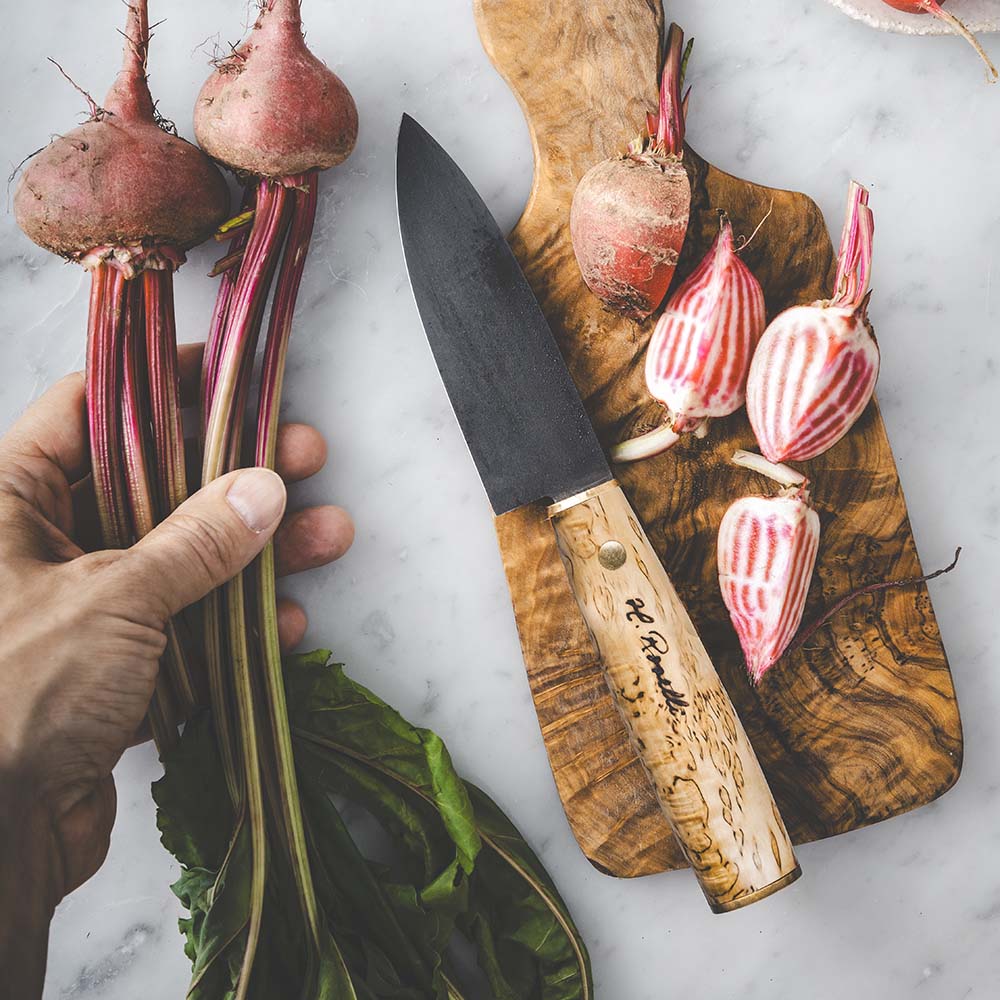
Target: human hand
(83, 629)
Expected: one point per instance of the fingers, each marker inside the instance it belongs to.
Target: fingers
(311, 538)
(189, 358)
(301, 452)
(46, 450)
(205, 542)
(292, 624)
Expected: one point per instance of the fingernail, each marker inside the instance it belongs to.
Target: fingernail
(258, 496)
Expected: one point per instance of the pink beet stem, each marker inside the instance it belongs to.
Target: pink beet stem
(807, 633)
(670, 126)
(304, 194)
(164, 389)
(282, 309)
(103, 391)
(243, 327)
(854, 262)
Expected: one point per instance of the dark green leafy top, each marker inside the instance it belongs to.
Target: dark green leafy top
(449, 862)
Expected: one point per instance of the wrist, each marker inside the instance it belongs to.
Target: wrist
(30, 876)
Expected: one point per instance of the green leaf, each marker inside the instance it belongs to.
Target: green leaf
(326, 705)
(194, 814)
(350, 742)
(529, 945)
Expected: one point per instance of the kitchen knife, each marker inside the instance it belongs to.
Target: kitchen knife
(532, 441)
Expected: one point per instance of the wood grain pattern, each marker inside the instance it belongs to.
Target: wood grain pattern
(679, 717)
(862, 724)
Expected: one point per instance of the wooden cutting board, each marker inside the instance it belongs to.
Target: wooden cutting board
(862, 724)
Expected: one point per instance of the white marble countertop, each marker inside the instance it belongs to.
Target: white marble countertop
(789, 92)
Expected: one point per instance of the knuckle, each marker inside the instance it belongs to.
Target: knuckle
(205, 546)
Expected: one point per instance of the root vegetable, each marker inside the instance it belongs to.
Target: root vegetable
(815, 368)
(124, 196)
(630, 213)
(275, 115)
(699, 355)
(767, 551)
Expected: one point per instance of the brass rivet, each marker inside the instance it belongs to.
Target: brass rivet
(612, 555)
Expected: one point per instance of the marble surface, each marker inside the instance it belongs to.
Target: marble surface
(789, 92)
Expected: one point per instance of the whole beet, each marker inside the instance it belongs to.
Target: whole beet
(121, 179)
(630, 213)
(272, 109)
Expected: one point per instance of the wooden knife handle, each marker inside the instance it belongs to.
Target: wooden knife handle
(679, 716)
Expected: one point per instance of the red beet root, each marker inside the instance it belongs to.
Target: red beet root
(125, 197)
(630, 213)
(272, 108)
(121, 180)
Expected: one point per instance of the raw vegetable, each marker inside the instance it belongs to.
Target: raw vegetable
(767, 550)
(630, 213)
(457, 864)
(815, 368)
(933, 7)
(273, 113)
(699, 355)
(767, 553)
(124, 196)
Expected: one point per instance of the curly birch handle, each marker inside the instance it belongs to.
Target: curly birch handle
(680, 719)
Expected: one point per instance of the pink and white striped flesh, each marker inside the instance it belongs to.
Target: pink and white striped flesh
(816, 366)
(699, 355)
(767, 551)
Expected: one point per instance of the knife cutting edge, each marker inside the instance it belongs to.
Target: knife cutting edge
(532, 441)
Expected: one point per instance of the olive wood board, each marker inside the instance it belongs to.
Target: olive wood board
(862, 723)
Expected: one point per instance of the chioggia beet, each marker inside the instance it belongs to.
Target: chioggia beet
(815, 368)
(935, 8)
(767, 550)
(699, 355)
(630, 213)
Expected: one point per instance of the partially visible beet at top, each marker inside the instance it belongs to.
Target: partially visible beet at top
(630, 213)
(272, 108)
(121, 179)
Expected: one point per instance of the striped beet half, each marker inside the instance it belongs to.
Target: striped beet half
(816, 366)
(767, 553)
(700, 351)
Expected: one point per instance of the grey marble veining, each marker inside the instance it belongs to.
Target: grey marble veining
(788, 92)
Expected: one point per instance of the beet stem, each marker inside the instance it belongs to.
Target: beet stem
(670, 126)
(103, 388)
(164, 417)
(239, 318)
(646, 445)
(134, 422)
(854, 261)
(293, 261)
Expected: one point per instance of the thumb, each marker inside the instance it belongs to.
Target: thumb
(207, 540)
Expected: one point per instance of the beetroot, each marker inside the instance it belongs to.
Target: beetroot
(272, 109)
(630, 213)
(276, 116)
(121, 182)
(125, 197)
